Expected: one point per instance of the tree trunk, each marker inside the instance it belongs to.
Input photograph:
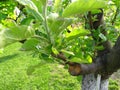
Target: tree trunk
(91, 82)
(104, 84)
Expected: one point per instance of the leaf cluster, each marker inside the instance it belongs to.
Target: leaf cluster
(55, 28)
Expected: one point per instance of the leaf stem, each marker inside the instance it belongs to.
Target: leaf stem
(45, 23)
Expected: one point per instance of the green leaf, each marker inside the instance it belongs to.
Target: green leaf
(102, 36)
(67, 52)
(52, 17)
(43, 1)
(30, 44)
(19, 32)
(39, 5)
(54, 50)
(57, 25)
(117, 2)
(57, 5)
(14, 34)
(76, 33)
(89, 59)
(9, 22)
(99, 47)
(31, 8)
(28, 3)
(78, 60)
(82, 6)
(26, 21)
(1, 50)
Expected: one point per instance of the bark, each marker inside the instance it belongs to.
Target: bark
(113, 58)
(104, 84)
(90, 82)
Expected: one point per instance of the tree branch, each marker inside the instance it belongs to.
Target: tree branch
(107, 60)
(113, 58)
(76, 69)
(105, 65)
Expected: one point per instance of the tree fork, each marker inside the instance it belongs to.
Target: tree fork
(107, 60)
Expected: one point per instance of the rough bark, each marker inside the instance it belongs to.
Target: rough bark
(113, 58)
(89, 82)
(104, 84)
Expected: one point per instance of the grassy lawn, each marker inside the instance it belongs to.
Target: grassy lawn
(20, 71)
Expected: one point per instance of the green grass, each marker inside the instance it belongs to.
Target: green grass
(20, 71)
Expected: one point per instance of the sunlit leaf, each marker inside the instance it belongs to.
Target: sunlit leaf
(82, 6)
(76, 33)
(68, 52)
(54, 50)
(1, 50)
(78, 60)
(57, 5)
(52, 16)
(89, 59)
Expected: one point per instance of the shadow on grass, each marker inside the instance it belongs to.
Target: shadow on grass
(8, 57)
(31, 69)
